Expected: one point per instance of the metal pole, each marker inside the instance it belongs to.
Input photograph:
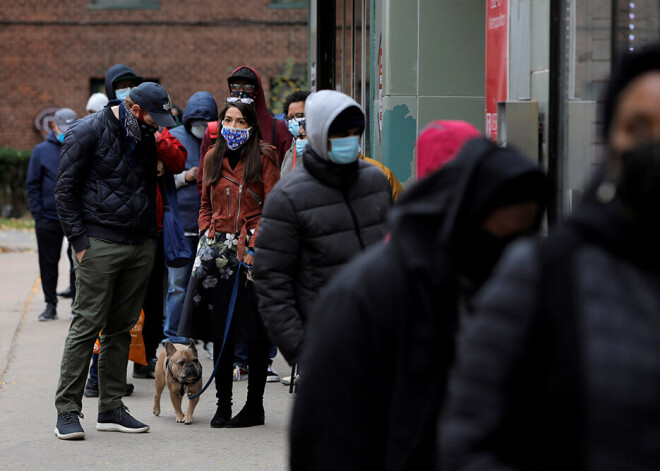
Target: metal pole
(554, 106)
(343, 47)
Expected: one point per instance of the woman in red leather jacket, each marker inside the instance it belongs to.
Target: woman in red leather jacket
(239, 171)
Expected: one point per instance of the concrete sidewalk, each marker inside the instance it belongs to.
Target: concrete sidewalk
(30, 354)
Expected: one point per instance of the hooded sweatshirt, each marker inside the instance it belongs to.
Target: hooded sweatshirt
(113, 74)
(200, 106)
(313, 222)
(395, 310)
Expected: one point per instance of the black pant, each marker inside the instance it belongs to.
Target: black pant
(257, 371)
(72, 272)
(152, 331)
(49, 244)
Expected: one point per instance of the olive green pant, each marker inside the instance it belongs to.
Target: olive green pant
(111, 282)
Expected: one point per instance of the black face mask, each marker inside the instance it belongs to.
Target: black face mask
(145, 130)
(480, 251)
(639, 183)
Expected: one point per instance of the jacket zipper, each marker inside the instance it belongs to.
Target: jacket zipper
(228, 202)
(238, 214)
(254, 195)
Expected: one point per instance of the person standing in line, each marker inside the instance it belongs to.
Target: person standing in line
(106, 200)
(201, 109)
(240, 171)
(561, 368)
(294, 113)
(329, 210)
(40, 185)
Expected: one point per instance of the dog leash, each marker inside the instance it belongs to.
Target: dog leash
(230, 314)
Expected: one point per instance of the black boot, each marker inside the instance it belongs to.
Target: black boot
(222, 416)
(50, 314)
(249, 416)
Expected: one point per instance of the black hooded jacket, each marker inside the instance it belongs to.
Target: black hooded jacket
(568, 329)
(381, 340)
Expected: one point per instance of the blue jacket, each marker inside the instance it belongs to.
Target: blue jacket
(41, 178)
(200, 106)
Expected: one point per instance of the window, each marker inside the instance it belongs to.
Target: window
(124, 4)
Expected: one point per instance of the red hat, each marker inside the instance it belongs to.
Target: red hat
(440, 142)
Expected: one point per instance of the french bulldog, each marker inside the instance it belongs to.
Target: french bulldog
(178, 367)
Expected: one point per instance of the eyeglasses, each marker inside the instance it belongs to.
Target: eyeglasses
(246, 87)
(233, 99)
(297, 117)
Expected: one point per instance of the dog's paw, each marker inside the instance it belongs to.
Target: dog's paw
(188, 420)
(156, 411)
(179, 420)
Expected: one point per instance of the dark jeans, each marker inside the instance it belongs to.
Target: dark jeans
(49, 244)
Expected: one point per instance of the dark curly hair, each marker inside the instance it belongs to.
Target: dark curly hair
(300, 95)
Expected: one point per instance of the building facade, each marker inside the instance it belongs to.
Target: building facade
(55, 54)
(527, 74)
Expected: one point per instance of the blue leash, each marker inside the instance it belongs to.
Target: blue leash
(230, 314)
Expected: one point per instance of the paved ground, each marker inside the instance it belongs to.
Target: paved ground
(30, 353)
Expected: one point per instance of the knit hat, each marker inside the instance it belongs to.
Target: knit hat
(440, 142)
(96, 102)
(351, 117)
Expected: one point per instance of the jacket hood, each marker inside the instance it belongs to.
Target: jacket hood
(115, 72)
(443, 212)
(200, 106)
(259, 99)
(321, 109)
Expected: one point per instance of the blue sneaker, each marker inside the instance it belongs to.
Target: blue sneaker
(119, 420)
(68, 426)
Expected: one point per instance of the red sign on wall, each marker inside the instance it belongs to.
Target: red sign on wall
(497, 60)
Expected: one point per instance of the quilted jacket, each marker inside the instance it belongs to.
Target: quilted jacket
(98, 192)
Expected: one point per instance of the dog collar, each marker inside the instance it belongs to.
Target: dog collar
(184, 384)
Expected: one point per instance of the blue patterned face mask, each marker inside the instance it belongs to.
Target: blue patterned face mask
(235, 137)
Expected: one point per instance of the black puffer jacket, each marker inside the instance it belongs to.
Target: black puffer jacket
(99, 193)
(313, 222)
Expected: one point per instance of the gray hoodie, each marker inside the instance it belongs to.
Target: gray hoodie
(321, 109)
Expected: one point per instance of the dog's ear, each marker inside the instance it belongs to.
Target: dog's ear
(169, 348)
(191, 344)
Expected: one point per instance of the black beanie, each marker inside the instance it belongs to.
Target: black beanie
(351, 117)
(630, 66)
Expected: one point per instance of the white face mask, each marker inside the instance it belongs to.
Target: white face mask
(198, 130)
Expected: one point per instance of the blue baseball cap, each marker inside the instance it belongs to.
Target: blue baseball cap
(153, 98)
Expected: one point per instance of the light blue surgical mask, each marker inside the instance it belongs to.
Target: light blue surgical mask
(345, 150)
(294, 127)
(122, 93)
(60, 137)
(300, 146)
(198, 130)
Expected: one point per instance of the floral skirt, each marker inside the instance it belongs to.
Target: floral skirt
(209, 292)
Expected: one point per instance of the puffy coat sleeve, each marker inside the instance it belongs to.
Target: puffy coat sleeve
(171, 152)
(76, 157)
(275, 266)
(33, 184)
(476, 432)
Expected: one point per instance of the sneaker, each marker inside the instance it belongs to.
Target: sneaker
(272, 375)
(119, 420)
(92, 389)
(286, 381)
(68, 426)
(240, 373)
(50, 314)
(208, 346)
(143, 371)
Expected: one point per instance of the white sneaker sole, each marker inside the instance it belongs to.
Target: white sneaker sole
(110, 427)
(69, 436)
(272, 379)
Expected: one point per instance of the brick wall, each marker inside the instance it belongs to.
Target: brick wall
(49, 51)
